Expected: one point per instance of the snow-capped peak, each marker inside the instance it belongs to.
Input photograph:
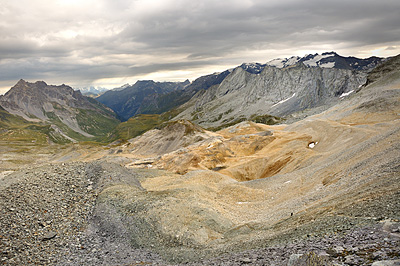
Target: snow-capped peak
(316, 60)
(284, 62)
(253, 68)
(311, 60)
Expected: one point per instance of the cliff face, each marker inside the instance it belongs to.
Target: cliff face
(273, 91)
(73, 114)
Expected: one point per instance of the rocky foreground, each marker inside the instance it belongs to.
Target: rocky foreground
(49, 216)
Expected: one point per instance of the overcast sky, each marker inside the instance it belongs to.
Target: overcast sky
(110, 43)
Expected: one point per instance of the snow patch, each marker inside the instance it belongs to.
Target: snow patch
(292, 60)
(279, 62)
(284, 62)
(314, 61)
(294, 94)
(312, 144)
(252, 64)
(346, 94)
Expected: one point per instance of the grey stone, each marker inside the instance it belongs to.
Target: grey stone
(246, 260)
(49, 235)
(386, 263)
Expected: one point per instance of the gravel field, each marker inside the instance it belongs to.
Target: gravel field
(47, 218)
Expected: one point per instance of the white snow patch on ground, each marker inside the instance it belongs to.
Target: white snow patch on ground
(346, 94)
(312, 144)
(294, 94)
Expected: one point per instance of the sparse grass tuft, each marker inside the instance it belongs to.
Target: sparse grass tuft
(265, 119)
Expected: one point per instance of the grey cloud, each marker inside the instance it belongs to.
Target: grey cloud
(229, 29)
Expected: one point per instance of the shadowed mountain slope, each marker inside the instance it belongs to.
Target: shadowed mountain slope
(140, 98)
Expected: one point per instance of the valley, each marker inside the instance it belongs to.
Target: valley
(275, 164)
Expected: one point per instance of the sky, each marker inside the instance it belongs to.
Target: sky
(110, 43)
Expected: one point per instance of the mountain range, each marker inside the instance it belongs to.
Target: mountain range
(274, 91)
(328, 60)
(71, 115)
(280, 87)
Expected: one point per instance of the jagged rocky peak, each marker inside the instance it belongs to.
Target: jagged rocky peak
(22, 84)
(253, 68)
(324, 60)
(284, 62)
(39, 92)
(328, 60)
(59, 106)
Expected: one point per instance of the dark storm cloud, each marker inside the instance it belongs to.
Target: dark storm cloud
(84, 41)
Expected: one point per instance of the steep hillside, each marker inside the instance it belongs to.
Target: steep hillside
(273, 91)
(169, 101)
(16, 131)
(139, 98)
(70, 114)
(388, 70)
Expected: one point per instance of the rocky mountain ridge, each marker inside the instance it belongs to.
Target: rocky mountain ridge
(71, 114)
(273, 91)
(328, 60)
(353, 72)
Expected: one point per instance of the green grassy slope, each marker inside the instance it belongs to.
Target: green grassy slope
(14, 129)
